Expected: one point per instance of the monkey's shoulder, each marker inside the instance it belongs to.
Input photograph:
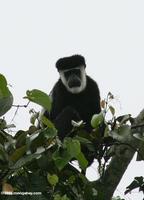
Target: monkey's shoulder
(91, 86)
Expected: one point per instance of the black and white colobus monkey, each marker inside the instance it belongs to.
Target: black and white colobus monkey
(75, 96)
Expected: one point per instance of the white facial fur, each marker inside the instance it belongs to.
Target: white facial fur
(74, 90)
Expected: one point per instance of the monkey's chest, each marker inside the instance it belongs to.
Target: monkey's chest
(80, 103)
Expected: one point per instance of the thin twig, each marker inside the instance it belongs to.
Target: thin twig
(22, 106)
(17, 108)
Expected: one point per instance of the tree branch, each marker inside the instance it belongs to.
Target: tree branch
(119, 163)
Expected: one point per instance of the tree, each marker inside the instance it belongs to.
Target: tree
(35, 160)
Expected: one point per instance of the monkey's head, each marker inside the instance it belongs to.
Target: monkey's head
(72, 73)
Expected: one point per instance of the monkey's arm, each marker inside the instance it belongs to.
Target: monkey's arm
(63, 121)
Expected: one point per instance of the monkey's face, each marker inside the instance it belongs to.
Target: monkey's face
(74, 79)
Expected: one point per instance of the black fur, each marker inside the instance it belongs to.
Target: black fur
(70, 62)
(67, 106)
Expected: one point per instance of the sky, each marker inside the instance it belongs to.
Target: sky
(108, 33)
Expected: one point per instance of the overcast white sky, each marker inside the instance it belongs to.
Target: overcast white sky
(109, 33)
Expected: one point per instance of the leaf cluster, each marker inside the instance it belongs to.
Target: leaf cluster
(36, 160)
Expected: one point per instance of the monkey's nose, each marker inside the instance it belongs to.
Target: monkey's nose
(74, 81)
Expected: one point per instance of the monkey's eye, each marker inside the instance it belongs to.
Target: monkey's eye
(72, 72)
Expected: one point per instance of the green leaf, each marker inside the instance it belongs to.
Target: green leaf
(3, 138)
(3, 124)
(74, 149)
(3, 154)
(5, 104)
(82, 140)
(18, 153)
(64, 197)
(124, 130)
(57, 197)
(24, 161)
(47, 122)
(52, 179)
(73, 146)
(82, 161)
(72, 179)
(61, 158)
(6, 98)
(32, 129)
(3, 87)
(112, 109)
(120, 134)
(39, 97)
(96, 120)
(20, 138)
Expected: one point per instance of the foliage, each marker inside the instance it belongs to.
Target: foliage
(137, 183)
(6, 98)
(35, 160)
